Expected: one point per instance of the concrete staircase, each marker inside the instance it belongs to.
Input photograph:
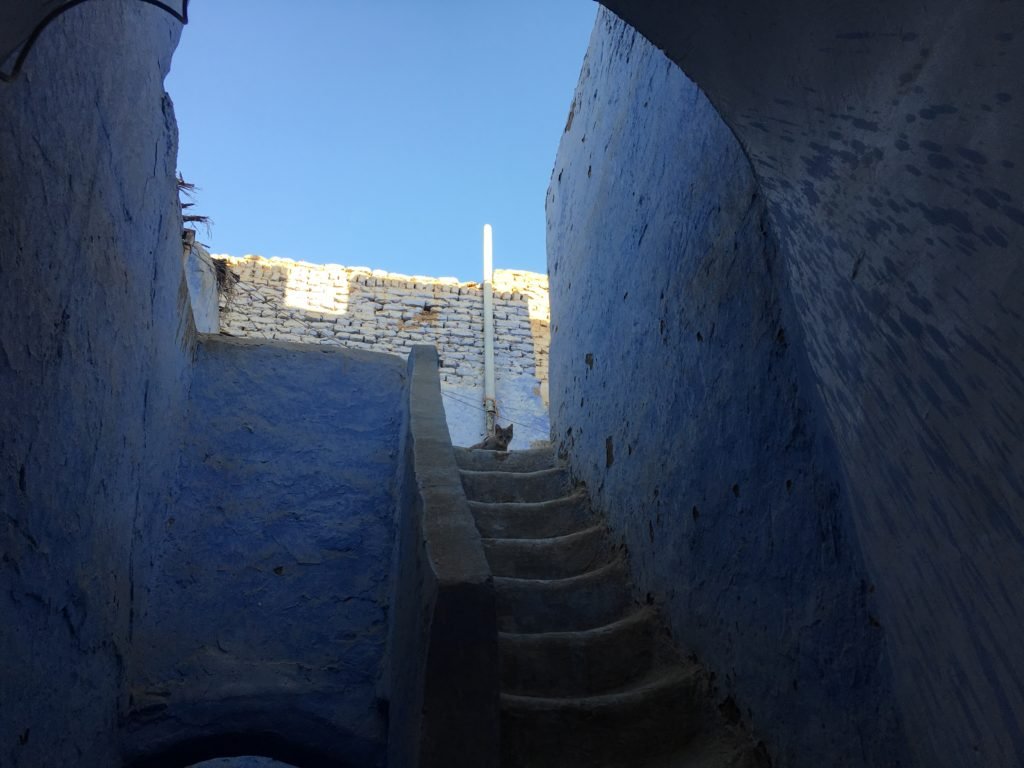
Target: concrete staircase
(589, 676)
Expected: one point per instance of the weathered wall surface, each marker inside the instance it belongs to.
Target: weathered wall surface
(677, 397)
(201, 276)
(887, 139)
(442, 667)
(266, 609)
(375, 310)
(94, 365)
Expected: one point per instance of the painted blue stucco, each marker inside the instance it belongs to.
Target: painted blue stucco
(269, 590)
(772, 372)
(678, 398)
(121, 626)
(95, 361)
(886, 138)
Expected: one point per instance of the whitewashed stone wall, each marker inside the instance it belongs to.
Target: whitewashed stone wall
(387, 312)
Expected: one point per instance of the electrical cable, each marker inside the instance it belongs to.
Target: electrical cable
(474, 406)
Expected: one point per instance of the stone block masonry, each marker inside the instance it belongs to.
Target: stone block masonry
(381, 311)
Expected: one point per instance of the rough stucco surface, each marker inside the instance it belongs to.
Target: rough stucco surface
(887, 138)
(268, 596)
(677, 398)
(94, 365)
(201, 276)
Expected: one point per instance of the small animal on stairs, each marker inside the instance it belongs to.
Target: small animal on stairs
(498, 441)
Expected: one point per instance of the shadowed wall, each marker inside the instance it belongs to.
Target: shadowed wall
(95, 360)
(678, 399)
(266, 606)
(885, 141)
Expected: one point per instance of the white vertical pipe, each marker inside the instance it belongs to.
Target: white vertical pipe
(489, 403)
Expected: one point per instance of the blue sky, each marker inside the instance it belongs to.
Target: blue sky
(379, 133)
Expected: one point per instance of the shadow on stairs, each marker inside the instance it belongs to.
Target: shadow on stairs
(589, 677)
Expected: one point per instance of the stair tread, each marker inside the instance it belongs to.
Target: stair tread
(591, 599)
(518, 475)
(723, 746)
(618, 563)
(501, 486)
(658, 680)
(582, 662)
(548, 557)
(572, 497)
(533, 519)
(543, 541)
(642, 614)
(513, 462)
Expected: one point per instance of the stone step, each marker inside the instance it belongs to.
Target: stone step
(498, 486)
(586, 601)
(540, 520)
(655, 717)
(721, 746)
(529, 460)
(581, 663)
(557, 557)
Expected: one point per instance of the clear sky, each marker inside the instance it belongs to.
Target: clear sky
(379, 133)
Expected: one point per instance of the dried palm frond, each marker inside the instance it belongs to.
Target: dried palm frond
(188, 189)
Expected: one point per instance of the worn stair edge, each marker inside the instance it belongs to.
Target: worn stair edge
(555, 557)
(529, 460)
(657, 716)
(581, 663)
(590, 600)
(721, 746)
(542, 485)
(533, 520)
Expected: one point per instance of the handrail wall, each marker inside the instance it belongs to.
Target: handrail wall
(442, 669)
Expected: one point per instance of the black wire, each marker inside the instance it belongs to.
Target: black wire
(468, 404)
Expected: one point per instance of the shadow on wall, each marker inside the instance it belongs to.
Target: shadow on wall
(374, 310)
(677, 398)
(95, 366)
(885, 141)
(886, 136)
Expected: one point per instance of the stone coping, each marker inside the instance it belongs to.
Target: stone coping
(442, 669)
(454, 546)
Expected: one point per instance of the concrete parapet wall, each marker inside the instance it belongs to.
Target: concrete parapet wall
(386, 312)
(442, 663)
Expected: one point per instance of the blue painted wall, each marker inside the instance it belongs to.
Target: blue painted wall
(135, 575)
(679, 398)
(95, 356)
(267, 600)
(886, 135)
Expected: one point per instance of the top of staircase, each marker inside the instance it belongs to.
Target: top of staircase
(530, 460)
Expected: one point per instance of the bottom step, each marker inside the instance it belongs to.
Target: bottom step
(649, 721)
(725, 747)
